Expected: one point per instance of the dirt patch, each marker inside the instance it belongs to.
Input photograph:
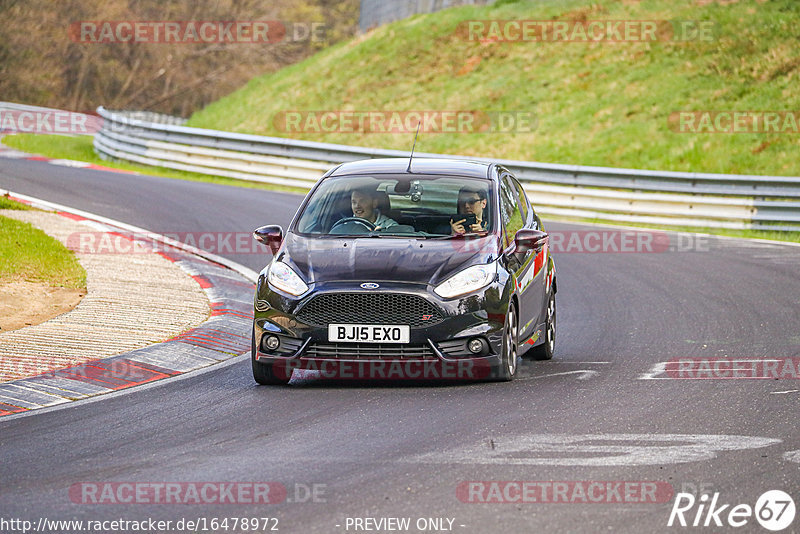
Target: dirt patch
(29, 303)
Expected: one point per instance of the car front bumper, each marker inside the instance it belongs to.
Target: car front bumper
(436, 351)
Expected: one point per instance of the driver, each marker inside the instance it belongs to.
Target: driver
(364, 204)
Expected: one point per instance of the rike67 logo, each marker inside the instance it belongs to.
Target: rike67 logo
(774, 510)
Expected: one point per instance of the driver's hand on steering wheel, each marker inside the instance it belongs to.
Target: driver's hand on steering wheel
(366, 223)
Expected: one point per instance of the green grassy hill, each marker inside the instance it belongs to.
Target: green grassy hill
(595, 103)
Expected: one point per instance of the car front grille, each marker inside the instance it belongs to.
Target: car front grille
(370, 308)
(367, 351)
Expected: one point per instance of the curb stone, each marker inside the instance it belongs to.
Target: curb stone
(225, 335)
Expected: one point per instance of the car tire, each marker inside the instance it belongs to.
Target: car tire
(263, 373)
(510, 347)
(545, 350)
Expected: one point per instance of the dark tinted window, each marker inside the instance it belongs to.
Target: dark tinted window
(523, 200)
(509, 209)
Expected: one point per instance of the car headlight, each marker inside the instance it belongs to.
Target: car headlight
(467, 281)
(284, 278)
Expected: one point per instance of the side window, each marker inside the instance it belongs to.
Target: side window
(527, 207)
(512, 217)
(528, 213)
(523, 200)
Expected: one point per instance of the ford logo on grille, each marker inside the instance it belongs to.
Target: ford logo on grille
(370, 285)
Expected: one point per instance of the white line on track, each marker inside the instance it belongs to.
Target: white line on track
(792, 456)
(574, 362)
(585, 375)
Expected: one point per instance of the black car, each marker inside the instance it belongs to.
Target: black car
(398, 268)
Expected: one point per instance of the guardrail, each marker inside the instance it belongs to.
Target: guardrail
(625, 195)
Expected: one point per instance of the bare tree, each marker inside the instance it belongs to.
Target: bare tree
(43, 60)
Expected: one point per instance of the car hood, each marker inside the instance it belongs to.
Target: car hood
(385, 259)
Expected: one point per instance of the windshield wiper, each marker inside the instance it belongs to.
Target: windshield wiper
(408, 235)
(462, 236)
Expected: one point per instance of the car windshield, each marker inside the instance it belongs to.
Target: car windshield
(399, 206)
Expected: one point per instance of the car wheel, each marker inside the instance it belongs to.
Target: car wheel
(508, 360)
(263, 372)
(545, 350)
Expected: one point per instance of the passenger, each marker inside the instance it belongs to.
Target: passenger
(364, 204)
(471, 201)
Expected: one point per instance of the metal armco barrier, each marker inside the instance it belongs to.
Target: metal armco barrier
(625, 195)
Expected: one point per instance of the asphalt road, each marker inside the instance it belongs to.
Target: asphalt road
(401, 451)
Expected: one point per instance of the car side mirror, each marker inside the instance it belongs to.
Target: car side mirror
(527, 240)
(272, 236)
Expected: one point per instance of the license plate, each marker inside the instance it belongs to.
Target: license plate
(369, 333)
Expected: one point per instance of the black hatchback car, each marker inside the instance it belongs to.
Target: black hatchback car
(399, 269)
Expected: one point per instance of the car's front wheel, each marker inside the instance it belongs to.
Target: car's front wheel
(545, 350)
(263, 373)
(508, 360)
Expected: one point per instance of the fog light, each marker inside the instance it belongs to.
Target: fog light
(271, 342)
(475, 345)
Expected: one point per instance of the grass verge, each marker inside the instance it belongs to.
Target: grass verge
(595, 103)
(29, 254)
(8, 204)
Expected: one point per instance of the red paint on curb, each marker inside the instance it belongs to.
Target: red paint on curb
(167, 256)
(202, 280)
(119, 373)
(6, 409)
(108, 169)
(71, 216)
(231, 312)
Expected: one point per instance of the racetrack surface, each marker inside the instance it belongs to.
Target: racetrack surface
(401, 450)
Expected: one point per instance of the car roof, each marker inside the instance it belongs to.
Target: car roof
(439, 166)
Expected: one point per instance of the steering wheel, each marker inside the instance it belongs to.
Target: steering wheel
(369, 226)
